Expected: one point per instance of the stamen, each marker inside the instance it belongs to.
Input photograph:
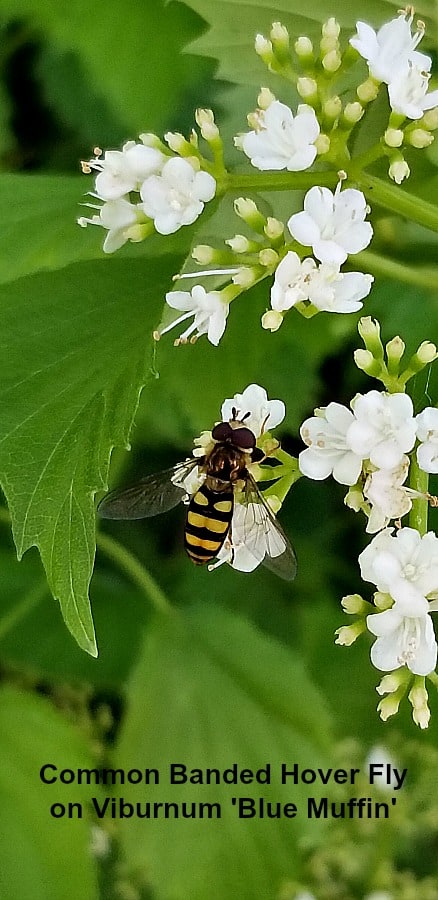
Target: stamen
(233, 271)
(182, 318)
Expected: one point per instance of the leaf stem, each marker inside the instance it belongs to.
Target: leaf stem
(398, 200)
(135, 571)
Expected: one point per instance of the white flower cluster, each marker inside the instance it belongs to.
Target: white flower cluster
(140, 188)
(393, 59)
(403, 566)
(334, 226)
(370, 443)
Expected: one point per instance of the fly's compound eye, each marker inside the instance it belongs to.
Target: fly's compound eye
(222, 432)
(244, 438)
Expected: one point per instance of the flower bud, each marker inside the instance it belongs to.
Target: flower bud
(427, 352)
(331, 28)
(322, 144)
(274, 504)
(365, 361)
(247, 210)
(263, 48)
(399, 170)
(394, 352)
(268, 258)
(354, 604)
(203, 254)
(368, 90)
(273, 229)
(245, 277)
(239, 244)
(420, 708)
(419, 138)
(353, 112)
(332, 108)
(331, 62)
(389, 705)
(205, 120)
(304, 49)
(265, 98)
(271, 320)
(347, 634)
(152, 140)
(430, 119)
(307, 89)
(392, 682)
(280, 41)
(369, 330)
(382, 601)
(177, 142)
(393, 137)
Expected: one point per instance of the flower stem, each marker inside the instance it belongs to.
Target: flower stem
(376, 264)
(135, 571)
(280, 181)
(398, 200)
(418, 481)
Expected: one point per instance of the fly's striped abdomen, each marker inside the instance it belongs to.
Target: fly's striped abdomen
(208, 523)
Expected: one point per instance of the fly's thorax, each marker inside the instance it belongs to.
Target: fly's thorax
(225, 465)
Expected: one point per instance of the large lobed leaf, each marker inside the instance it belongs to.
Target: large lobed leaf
(209, 691)
(75, 354)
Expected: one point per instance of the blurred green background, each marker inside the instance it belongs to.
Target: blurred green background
(246, 670)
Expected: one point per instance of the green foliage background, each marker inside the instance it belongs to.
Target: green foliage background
(244, 668)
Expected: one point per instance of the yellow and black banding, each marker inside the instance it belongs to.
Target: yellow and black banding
(208, 523)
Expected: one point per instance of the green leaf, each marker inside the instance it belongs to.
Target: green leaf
(211, 691)
(39, 853)
(76, 358)
(234, 25)
(39, 231)
(121, 49)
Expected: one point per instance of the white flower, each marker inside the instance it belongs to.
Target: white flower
(427, 433)
(210, 313)
(404, 565)
(408, 93)
(391, 49)
(248, 544)
(389, 500)
(280, 140)
(337, 292)
(122, 219)
(177, 196)
(403, 640)
(384, 428)
(264, 414)
(328, 451)
(122, 171)
(324, 285)
(332, 224)
(291, 281)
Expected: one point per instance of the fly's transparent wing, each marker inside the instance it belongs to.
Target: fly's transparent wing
(152, 495)
(263, 536)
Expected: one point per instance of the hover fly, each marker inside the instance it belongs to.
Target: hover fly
(226, 484)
